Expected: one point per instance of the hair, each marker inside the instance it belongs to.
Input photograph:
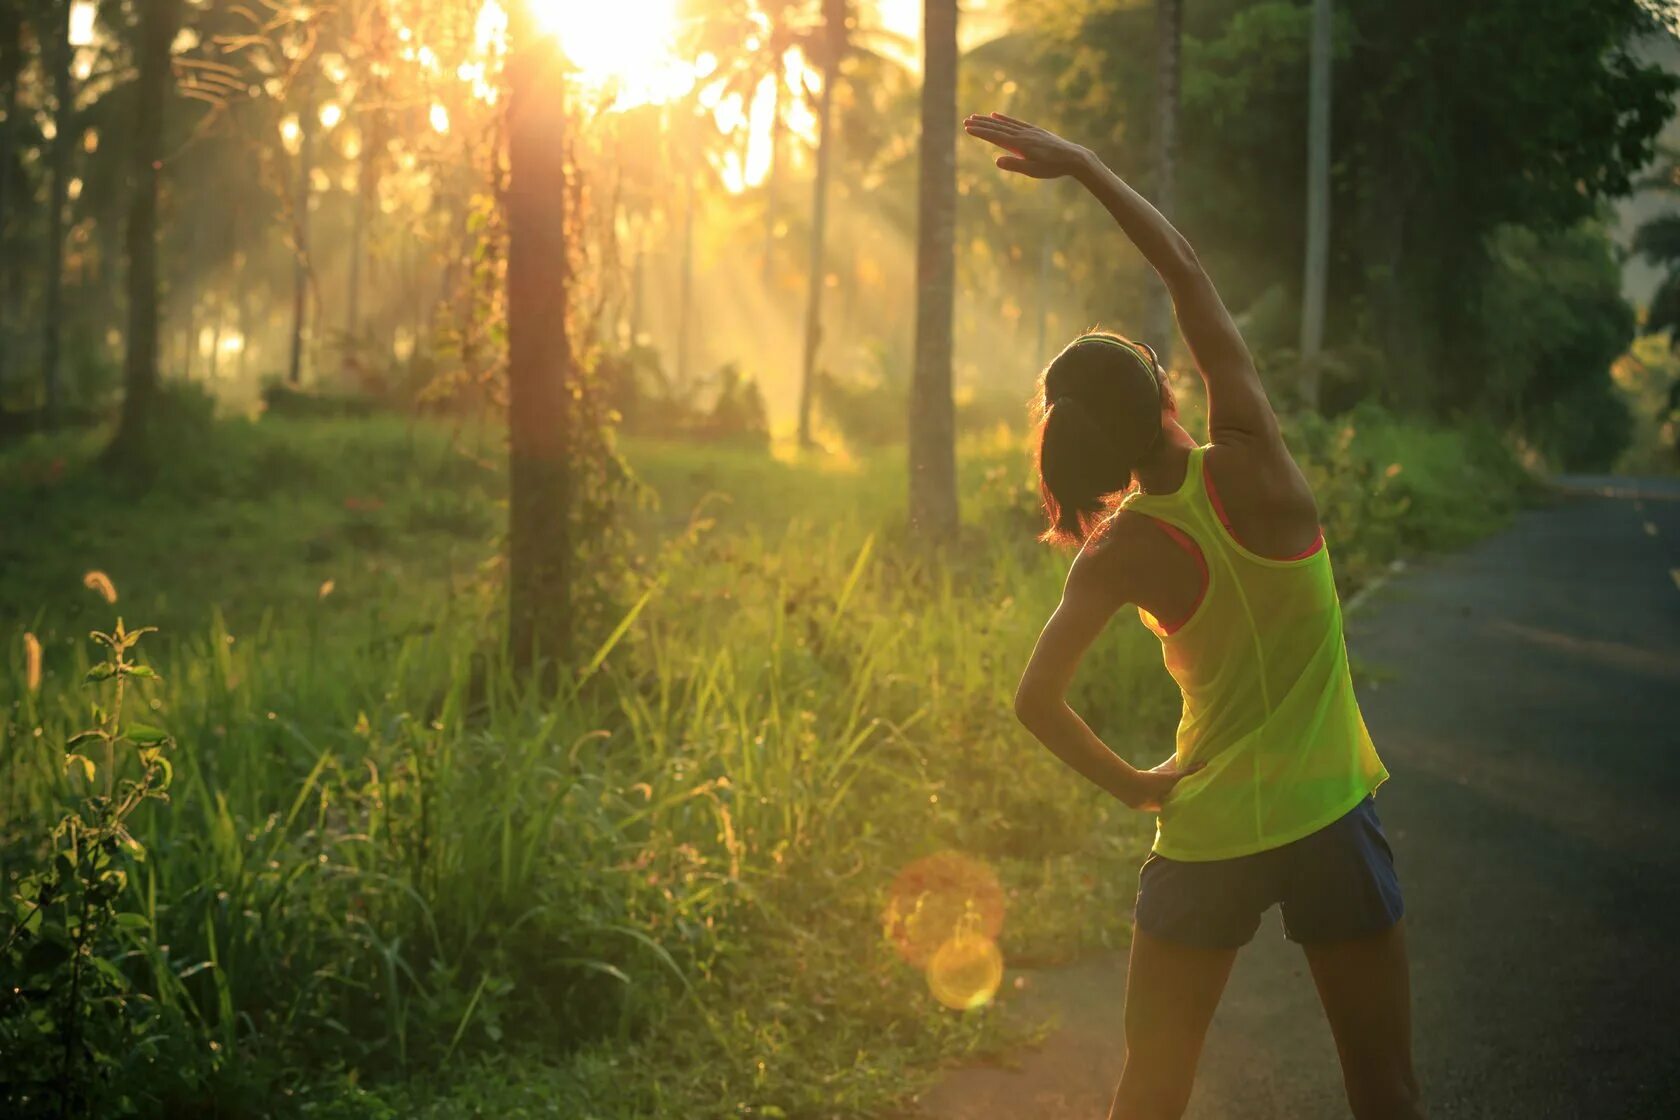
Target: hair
(1101, 402)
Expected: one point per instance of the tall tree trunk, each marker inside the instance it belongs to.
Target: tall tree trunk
(637, 280)
(933, 457)
(1169, 27)
(539, 356)
(300, 235)
(834, 38)
(770, 176)
(367, 184)
(11, 63)
(158, 22)
(685, 281)
(242, 301)
(1046, 258)
(64, 123)
(1317, 265)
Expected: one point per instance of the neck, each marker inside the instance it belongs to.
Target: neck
(1163, 471)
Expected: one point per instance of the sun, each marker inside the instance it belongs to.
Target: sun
(623, 49)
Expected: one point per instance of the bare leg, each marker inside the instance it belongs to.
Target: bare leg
(1365, 987)
(1171, 993)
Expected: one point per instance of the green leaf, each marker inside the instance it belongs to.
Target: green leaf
(142, 671)
(111, 971)
(84, 736)
(86, 764)
(130, 920)
(101, 672)
(144, 734)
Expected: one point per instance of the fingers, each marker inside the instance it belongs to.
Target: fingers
(995, 121)
(1012, 163)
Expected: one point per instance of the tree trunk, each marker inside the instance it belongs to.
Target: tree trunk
(539, 357)
(1046, 258)
(367, 184)
(11, 62)
(933, 458)
(770, 176)
(834, 38)
(685, 289)
(158, 21)
(300, 235)
(1317, 265)
(64, 118)
(1169, 27)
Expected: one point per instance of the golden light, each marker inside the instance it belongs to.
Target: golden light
(291, 135)
(440, 118)
(82, 15)
(331, 114)
(626, 49)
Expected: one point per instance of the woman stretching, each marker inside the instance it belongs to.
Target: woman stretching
(1267, 798)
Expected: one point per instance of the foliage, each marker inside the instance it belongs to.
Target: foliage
(88, 999)
(649, 401)
(1440, 150)
(429, 891)
(1649, 376)
(869, 410)
(1555, 321)
(281, 399)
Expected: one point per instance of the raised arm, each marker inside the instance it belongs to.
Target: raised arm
(1238, 410)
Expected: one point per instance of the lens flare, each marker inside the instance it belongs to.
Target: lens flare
(967, 970)
(932, 895)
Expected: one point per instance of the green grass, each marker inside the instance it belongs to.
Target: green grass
(393, 882)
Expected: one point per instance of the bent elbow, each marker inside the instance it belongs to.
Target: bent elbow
(1029, 707)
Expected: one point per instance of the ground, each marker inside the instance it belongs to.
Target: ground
(1525, 695)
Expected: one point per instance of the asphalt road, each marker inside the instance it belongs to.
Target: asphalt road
(1525, 695)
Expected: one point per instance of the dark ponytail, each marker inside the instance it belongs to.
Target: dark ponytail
(1077, 466)
(1102, 401)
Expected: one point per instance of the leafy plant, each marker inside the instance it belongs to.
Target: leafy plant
(68, 1016)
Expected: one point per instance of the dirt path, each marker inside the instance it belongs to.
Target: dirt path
(1527, 702)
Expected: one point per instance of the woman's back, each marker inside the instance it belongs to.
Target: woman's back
(1268, 699)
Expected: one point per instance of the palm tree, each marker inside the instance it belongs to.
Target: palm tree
(932, 425)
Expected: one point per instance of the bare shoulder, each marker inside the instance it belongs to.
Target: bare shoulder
(1108, 566)
(1260, 474)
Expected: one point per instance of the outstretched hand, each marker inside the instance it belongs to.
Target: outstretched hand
(1035, 152)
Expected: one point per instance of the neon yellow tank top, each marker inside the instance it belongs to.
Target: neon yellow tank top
(1268, 698)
